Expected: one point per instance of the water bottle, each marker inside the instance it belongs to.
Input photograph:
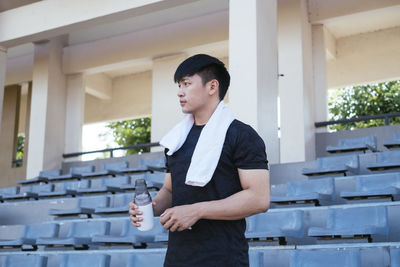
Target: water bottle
(143, 200)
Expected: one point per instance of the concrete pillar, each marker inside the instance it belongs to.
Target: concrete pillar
(253, 67)
(3, 61)
(296, 86)
(74, 113)
(319, 70)
(48, 103)
(165, 109)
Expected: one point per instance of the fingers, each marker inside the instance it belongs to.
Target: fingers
(133, 211)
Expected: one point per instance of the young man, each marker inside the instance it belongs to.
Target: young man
(206, 223)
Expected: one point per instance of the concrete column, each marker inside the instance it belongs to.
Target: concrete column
(74, 113)
(3, 61)
(254, 69)
(319, 70)
(47, 116)
(296, 86)
(165, 110)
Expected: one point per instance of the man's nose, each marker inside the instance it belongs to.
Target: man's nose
(180, 92)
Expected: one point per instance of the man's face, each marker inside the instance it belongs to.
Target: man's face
(192, 94)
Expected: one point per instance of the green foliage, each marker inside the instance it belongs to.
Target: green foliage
(132, 132)
(367, 100)
(20, 149)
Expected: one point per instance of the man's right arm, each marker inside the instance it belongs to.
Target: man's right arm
(161, 202)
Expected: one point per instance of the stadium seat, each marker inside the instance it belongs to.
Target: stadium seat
(66, 188)
(156, 164)
(12, 190)
(79, 235)
(106, 169)
(24, 261)
(84, 205)
(354, 145)
(326, 258)
(310, 191)
(395, 257)
(25, 192)
(85, 260)
(375, 186)
(276, 225)
(132, 236)
(394, 143)
(336, 164)
(74, 172)
(31, 233)
(143, 167)
(256, 258)
(354, 222)
(153, 259)
(43, 177)
(153, 180)
(103, 185)
(385, 161)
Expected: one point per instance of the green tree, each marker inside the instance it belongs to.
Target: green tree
(20, 150)
(132, 132)
(366, 100)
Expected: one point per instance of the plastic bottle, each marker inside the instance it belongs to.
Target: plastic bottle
(143, 200)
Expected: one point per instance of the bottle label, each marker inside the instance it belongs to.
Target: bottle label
(148, 221)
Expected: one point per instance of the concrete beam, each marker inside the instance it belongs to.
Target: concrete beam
(320, 10)
(3, 67)
(99, 85)
(19, 69)
(330, 44)
(57, 17)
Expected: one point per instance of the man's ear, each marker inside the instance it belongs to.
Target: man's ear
(213, 87)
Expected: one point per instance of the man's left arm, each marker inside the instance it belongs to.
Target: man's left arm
(253, 199)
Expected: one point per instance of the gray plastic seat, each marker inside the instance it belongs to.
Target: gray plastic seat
(153, 181)
(335, 164)
(66, 188)
(377, 185)
(85, 260)
(31, 233)
(156, 164)
(103, 185)
(354, 144)
(276, 225)
(43, 177)
(79, 235)
(153, 259)
(385, 161)
(74, 172)
(357, 221)
(84, 205)
(119, 204)
(395, 257)
(394, 143)
(132, 236)
(140, 169)
(310, 191)
(106, 169)
(24, 261)
(328, 258)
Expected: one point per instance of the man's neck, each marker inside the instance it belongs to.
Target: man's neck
(201, 117)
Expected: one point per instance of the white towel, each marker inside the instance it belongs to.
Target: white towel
(208, 148)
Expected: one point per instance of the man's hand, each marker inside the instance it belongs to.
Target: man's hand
(179, 218)
(134, 211)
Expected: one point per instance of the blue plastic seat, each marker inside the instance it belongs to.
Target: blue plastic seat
(310, 191)
(395, 257)
(276, 225)
(24, 261)
(12, 190)
(103, 185)
(25, 192)
(354, 144)
(377, 185)
(153, 259)
(74, 172)
(132, 236)
(326, 258)
(156, 164)
(351, 222)
(256, 258)
(84, 205)
(336, 164)
(79, 235)
(85, 260)
(394, 143)
(31, 233)
(106, 169)
(43, 177)
(66, 188)
(153, 181)
(385, 161)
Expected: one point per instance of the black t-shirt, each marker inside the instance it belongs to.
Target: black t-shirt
(213, 242)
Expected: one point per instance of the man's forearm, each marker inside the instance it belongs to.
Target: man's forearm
(240, 205)
(163, 201)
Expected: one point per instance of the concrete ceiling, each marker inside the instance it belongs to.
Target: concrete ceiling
(11, 4)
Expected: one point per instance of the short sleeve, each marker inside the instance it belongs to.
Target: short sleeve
(166, 160)
(249, 151)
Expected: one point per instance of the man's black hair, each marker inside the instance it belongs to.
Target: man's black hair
(208, 68)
